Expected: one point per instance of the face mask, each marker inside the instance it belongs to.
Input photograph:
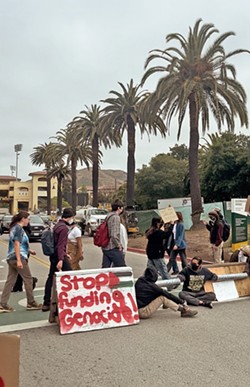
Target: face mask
(70, 221)
(194, 266)
(212, 219)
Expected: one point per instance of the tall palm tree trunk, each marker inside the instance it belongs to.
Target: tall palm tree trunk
(95, 170)
(48, 195)
(130, 162)
(74, 183)
(59, 193)
(195, 189)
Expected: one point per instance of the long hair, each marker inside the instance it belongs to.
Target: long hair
(18, 217)
(154, 226)
(180, 217)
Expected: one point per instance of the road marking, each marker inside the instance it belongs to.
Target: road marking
(40, 260)
(27, 325)
(1, 267)
(35, 290)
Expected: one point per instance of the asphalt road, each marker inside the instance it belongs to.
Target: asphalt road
(166, 350)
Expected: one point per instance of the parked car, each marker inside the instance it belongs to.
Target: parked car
(89, 219)
(37, 226)
(6, 223)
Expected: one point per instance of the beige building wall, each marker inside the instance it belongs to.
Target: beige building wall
(25, 194)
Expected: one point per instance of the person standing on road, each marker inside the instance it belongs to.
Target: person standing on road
(150, 297)
(180, 245)
(215, 228)
(113, 253)
(17, 259)
(74, 248)
(18, 287)
(59, 260)
(194, 278)
(155, 247)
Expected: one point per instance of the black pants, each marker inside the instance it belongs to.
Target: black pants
(53, 269)
(18, 287)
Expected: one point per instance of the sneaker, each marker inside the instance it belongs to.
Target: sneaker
(207, 304)
(34, 306)
(6, 309)
(45, 308)
(188, 313)
(34, 282)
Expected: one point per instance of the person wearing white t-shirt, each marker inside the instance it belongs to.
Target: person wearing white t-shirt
(74, 248)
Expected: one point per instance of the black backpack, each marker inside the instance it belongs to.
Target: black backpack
(226, 230)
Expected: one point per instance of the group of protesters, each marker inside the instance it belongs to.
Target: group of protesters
(68, 253)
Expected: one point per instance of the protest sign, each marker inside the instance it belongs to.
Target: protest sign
(168, 215)
(9, 360)
(96, 299)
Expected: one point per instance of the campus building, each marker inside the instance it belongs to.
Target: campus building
(31, 195)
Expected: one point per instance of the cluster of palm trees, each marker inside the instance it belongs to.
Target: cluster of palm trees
(196, 76)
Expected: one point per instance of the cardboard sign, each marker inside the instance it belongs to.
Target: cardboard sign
(96, 299)
(168, 214)
(9, 360)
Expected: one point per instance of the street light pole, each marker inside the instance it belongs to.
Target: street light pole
(18, 148)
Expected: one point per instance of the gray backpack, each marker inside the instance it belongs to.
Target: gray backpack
(47, 241)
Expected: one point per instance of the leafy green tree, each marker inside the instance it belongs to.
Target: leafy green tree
(163, 178)
(179, 152)
(123, 113)
(225, 172)
(197, 77)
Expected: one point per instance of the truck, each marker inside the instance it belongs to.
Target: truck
(89, 219)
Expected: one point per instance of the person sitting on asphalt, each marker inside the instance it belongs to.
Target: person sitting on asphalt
(194, 277)
(241, 255)
(150, 297)
(246, 254)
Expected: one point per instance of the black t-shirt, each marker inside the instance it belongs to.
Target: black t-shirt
(194, 280)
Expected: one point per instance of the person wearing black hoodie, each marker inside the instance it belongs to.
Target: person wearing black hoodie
(150, 297)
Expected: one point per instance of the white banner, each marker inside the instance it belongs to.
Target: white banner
(96, 299)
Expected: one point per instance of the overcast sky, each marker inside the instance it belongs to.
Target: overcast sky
(59, 55)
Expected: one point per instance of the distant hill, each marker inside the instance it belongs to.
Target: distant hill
(107, 177)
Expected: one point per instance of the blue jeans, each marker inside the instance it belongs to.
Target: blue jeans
(113, 257)
(160, 265)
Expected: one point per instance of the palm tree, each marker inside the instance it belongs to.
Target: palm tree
(43, 155)
(75, 150)
(88, 127)
(198, 77)
(123, 113)
(60, 171)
